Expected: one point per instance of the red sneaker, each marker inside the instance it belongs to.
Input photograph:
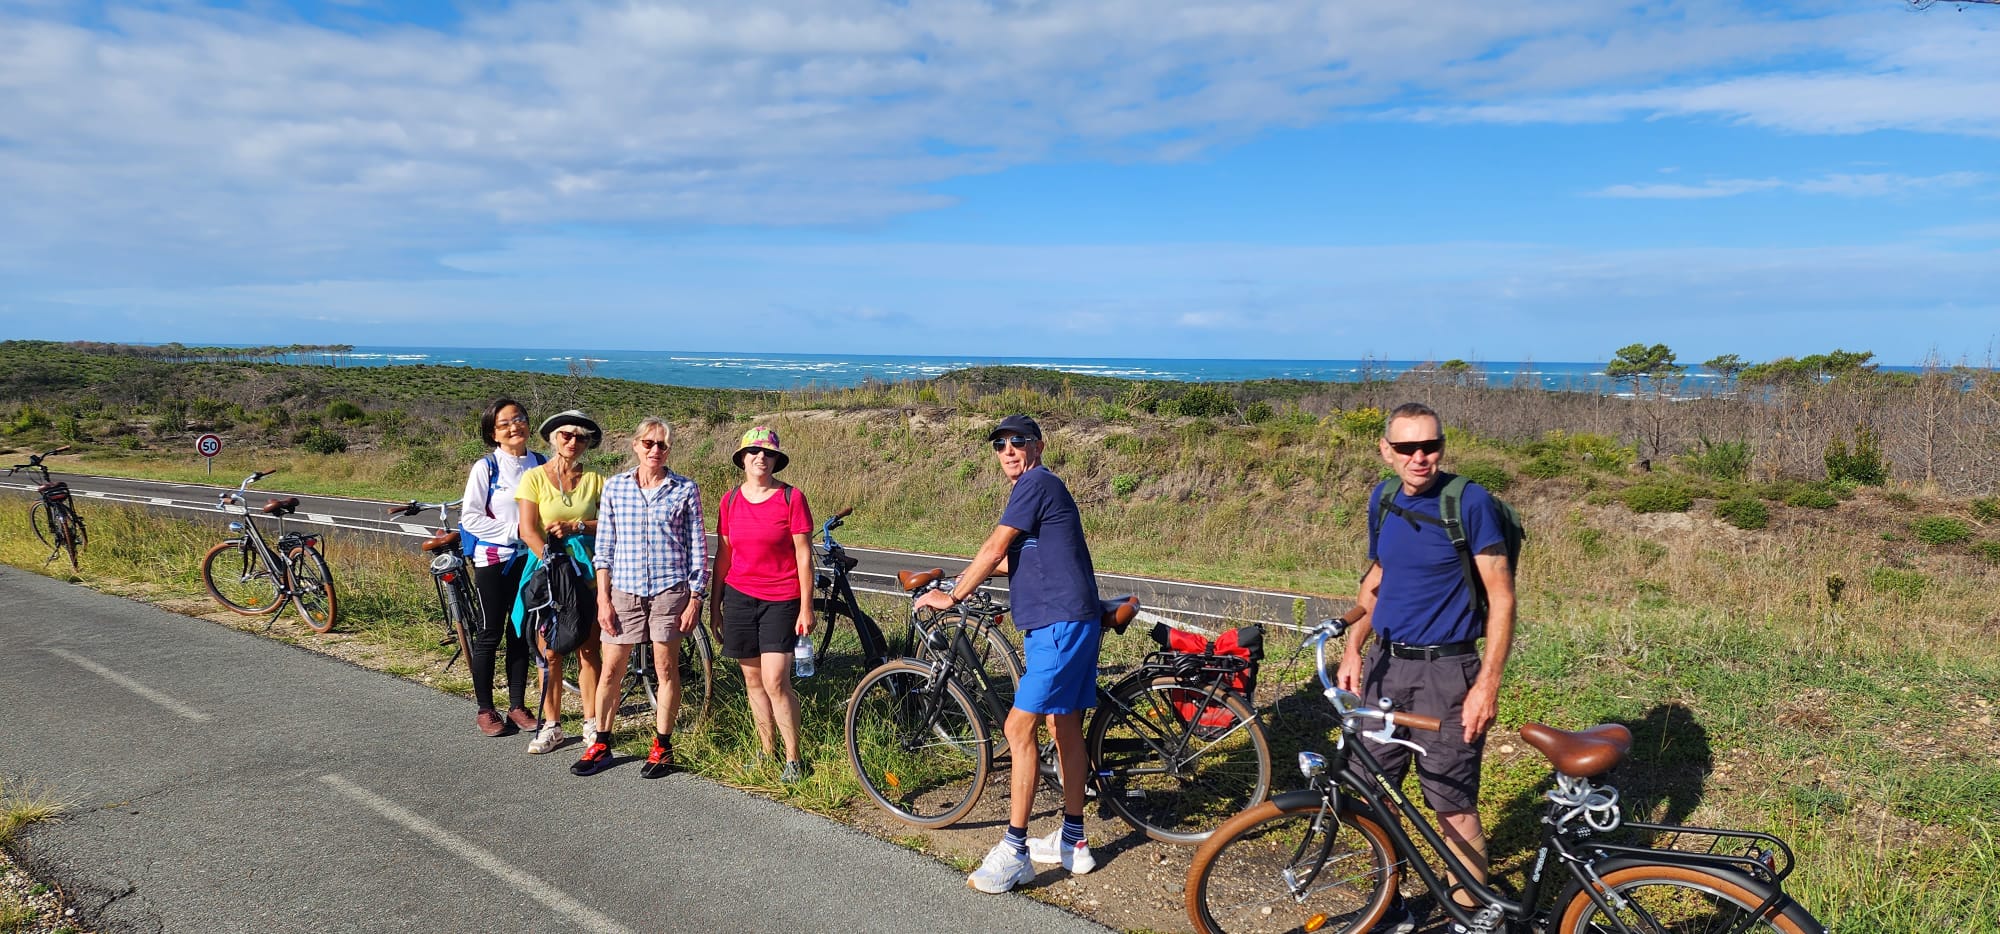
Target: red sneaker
(595, 759)
(659, 761)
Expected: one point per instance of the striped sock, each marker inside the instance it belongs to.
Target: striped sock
(1017, 837)
(1072, 833)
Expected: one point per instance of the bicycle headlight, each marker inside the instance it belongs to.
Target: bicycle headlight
(235, 526)
(1311, 764)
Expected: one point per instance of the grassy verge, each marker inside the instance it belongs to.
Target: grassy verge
(23, 905)
(1855, 720)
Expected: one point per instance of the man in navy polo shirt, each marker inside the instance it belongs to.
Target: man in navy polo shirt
(1427, 658)
(1039, 544)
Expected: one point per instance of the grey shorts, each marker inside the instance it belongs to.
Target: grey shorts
(639, 619)
(1448, 771)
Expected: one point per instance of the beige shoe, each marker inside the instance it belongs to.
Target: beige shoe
(547, 739)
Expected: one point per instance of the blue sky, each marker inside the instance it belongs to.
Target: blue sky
(1494, 181)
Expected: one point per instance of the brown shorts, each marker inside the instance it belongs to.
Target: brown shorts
(1448, 771)
(638, 618)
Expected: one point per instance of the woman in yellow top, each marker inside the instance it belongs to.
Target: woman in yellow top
(558, 506)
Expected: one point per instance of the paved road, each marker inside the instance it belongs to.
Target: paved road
(221, 782)
(1188, 605)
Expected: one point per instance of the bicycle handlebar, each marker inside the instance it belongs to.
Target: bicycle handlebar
(413, 507)
(1350, 704)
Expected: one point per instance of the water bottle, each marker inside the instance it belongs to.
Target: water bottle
(802, 658)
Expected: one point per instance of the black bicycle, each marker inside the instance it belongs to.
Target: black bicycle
(1331, 857)
(53, 515)
(1172, 752)
(833, 598)
(640, 691)
(458, 601)
(256, 577)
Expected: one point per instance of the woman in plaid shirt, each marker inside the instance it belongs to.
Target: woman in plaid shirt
(651, 553)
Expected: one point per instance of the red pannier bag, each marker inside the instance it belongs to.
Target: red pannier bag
(1245, 643)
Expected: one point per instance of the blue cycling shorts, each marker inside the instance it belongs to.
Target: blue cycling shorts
(1061, 663)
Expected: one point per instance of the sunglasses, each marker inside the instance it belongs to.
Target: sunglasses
(1000, 444)
(1410, 448)
(570, 437)
(759, 452)
(649, 444)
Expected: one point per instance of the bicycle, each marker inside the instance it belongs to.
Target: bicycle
(1331, 857)
(452, 577)
(833, 598)
(53, 516)
(1171, 753)
(642, 680)
(255, 577)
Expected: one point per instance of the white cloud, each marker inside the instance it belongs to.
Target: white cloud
(1847, 185)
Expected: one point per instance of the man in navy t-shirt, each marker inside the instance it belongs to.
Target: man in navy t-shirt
(1427, 659)
(1039, 544)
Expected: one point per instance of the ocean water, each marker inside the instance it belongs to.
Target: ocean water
(798, 371)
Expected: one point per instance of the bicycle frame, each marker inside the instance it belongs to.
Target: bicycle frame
(833, 591)
(447, 569)
(250, 535)
(1352, 779)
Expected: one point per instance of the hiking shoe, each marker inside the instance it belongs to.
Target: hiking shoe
(659, 761)
(595, 759)
(548, 738)
(1003, 869)
(1050, 849)
(794, 773)
(1397, 920)
(490, 723)
(522, 719)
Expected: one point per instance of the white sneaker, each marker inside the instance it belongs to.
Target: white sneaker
(589, 732)
(548, 738)
(1050, 849)
(1003, 869)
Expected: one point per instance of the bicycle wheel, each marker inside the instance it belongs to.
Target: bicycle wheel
(1664, 898)
(1276, 868)
(1176, 761)
(78, 536)
(697, 665)
(827, 616)
(917, 744)
(312, 589)
(237, 577)
(459, 613)
(38, 519)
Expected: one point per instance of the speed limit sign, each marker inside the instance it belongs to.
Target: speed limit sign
(208, 445)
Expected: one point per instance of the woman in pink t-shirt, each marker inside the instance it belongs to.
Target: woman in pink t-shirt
(765, 565)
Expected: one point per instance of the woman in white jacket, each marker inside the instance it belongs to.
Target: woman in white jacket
(490, 526)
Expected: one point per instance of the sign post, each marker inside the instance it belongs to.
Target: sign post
(208, 446)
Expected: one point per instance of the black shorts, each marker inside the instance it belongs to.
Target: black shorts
(753, 627)
(1448, 771)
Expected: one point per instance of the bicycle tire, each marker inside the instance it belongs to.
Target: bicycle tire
(1240, 879)
(312, 589)
(1174, 776)
(460, 609)
(38, 519)
(78, 537)
(1669, 898)
(827, 614)
(917, 744)
(237, 577)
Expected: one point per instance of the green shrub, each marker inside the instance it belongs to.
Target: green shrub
(1811, 497)
(1909, 585)
(1491, 475)
(1259, 412)
(1546, 466)
(1200, 401)
(318, 440)
(1862, 464)
(1657, 497)
(1721, 460)
(1988, 550)
(1124, 484)
(1986, 509)
(1940, 530)
(1367, 422)
(1744, 512)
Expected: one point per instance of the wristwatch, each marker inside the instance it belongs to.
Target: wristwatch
(699, 593)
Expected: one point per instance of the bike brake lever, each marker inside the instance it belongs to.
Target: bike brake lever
(1384, 736)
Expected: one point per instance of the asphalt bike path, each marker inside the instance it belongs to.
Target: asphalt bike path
(222, 782)
(1206, 607)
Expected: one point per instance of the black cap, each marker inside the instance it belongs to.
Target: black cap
(1016, 425)
(572, 418)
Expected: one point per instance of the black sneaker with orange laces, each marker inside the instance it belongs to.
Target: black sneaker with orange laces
(659, 761)
(595, 759)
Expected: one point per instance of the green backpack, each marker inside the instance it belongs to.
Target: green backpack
(1451, 509)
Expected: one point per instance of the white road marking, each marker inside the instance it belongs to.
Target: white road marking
(487, 862)
(159, 501)
(413, 529)
(129, 684)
